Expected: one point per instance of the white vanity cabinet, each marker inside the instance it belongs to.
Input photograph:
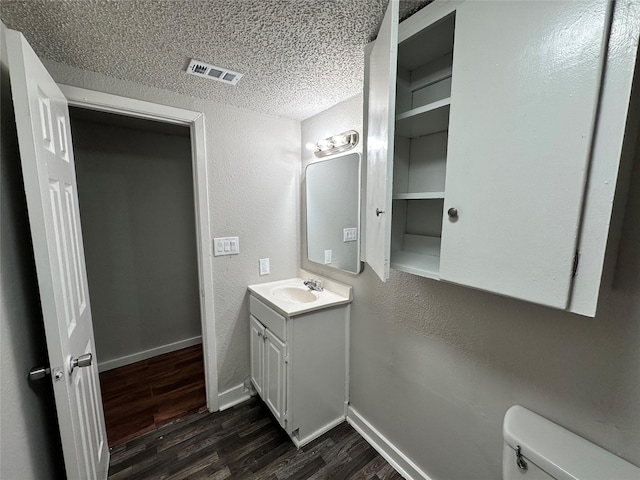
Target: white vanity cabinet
(268, 368)
(299, 367)
(483, 120)
(257, 339)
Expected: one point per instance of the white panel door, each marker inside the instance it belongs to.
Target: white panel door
(42, 119)
(275, 376)
(257, 354)
(526, 78)
(383, 64)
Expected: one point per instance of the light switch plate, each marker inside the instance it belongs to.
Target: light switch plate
(226, 246)
(264, 266)
(350, 234)
(327, 257)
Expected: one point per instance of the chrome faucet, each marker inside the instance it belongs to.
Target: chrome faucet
(314, 284)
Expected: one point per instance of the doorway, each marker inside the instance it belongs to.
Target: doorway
(135, 188)
(104, 102)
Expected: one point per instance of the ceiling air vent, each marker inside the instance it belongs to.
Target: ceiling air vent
(201, 69)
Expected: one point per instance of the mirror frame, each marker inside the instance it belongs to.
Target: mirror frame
(359, 259)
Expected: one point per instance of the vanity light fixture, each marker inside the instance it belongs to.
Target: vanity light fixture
(336, 144)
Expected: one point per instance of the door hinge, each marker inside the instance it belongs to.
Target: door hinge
(576, 260)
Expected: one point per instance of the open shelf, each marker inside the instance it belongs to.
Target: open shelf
(424, 120)
(418, 196)
(420, 256)
(416, 263)
(423, 100)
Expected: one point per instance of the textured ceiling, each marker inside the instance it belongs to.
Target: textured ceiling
(299, 57)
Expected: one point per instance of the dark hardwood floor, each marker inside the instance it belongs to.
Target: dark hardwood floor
(245, 442)
(141, 396)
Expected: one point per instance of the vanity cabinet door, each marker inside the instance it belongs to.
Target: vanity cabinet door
(257, 342)
(380, 132)
(274, 393)
(524, 96)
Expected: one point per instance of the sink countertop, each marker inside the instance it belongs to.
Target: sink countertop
(334, 293)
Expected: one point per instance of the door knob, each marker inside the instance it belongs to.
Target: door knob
(82, 361)
(452, 212)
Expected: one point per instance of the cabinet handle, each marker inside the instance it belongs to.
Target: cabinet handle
(452, 212)
(378, 212)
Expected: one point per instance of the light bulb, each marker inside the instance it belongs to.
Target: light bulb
(339, 140)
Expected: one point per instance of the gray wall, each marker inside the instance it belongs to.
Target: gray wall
(135, 188)
(28, 430)
(435, 366)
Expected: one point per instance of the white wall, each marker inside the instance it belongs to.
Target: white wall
(435, 366)
(135, 186)
(30, 443)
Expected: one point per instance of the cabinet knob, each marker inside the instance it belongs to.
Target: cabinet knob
(453, 212)
(378, 212)
(259, 334)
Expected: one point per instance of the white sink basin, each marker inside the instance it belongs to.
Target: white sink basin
(294, 294)
(291, 297)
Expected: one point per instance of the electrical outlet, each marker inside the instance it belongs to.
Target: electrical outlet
(264, 266)
(327, 256)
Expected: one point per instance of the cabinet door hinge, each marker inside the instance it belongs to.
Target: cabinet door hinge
(574, 270)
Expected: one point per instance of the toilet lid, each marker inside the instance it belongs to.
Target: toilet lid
(559, 452)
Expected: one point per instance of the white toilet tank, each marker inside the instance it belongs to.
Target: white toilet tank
(548, 451)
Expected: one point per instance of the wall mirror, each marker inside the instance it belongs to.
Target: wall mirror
(333, 212)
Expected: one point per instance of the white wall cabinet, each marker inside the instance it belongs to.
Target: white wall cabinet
(299, 367)
(482, 119)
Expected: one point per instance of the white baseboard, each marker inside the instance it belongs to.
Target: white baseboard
(153, 352)
(233, 396)
(388, 450)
